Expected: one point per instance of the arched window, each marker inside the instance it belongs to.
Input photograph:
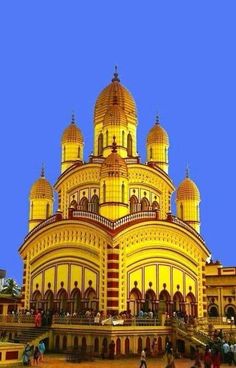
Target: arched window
(191, 305)
(181, 211)
(133, 204)
(127, 345)
(178, 301)
(104, 192)
(90, 298)
(123, 138)
(123, 193)
(79, 152)
(166, 154)
(95, 203)
(118, 346)
(32, 210)
(150, 298)
(145, 204)
(100, 144)
(76, 342)
(106, 138)
(129, 145)
(150, 153)
(155, 206)
(96, 345)
(64, 153)
(64, 343)
(75, 300)
(48, 300)
(36, 300)
(83, 204)
(62, 297)
(213, 310)
(47, 210)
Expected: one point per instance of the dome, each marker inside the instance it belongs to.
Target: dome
(117, 93)
(157, 134)
(188, 190)
(72, 134)
(114, 165)
(41, 188)
(115, 116)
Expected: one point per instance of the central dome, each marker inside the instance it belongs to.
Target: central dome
(118, 93)
(114, 165)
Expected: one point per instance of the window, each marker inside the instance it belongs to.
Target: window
(129, 145)
(100, 144)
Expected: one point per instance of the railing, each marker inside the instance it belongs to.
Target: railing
(105, 322)
(112, 225)
(176, 220)
(17, 318)
(50, 220)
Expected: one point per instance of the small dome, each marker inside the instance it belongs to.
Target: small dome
(115, 116)
(115, 92)
(41, 188)
(188, 190)
(72, 134)
(114, 165)
(157, 134)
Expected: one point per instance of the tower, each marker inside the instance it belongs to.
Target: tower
(187, 202)
(41, 201)
(72, 146)
(115, 115)
(114, 186)
(157, 146)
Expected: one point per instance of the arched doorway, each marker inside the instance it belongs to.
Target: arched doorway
(145, 204)
(230, 311)
(48, 300)
(127, 345)
(36, 302)
(178, 301)
(90, 299)
(191, 305)
(118, 346)
(62, 297)
(134, 302)
(134, 205)
(75, 300)
(213, 310)
(164, 302)
(150, 301)
(83, 204)
(94, 204)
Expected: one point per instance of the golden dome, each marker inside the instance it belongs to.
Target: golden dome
(118, 94)
(72, 134)
(114, 165)
(115, 116)
(157, 134)
(41, 188)
(188, 190)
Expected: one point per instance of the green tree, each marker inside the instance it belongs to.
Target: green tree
(10, 287)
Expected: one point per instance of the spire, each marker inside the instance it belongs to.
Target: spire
(187, 171)
(114, 145)
(73, 118)
(157, 119)
(42, 171)
(115, 78)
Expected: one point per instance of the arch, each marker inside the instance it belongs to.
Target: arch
(100, 144)
(62, 297)
(75, 297)
(76, 342)
(155, 206)
(57, 342)
(230, 311)
(148, 345)
(159, 343)
(178, 300)
(36, 300)
(191, 305)
(90, 297)
(190, 298)
(164, 295)
(37, 296)
(150, 298)
(96, 345)
(140, 345)
(134, 303)
(129, 145)
(64, 343)
(145, 204)
(84, 344)
(73, 203)
(104, 345)
(133, 204)
(83, 204)
(118, 346)
(48, 300)
(213, 310)
(127, 345)
(123, 193)
(123, 138)
(94, 204)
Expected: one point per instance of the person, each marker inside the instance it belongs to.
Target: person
(216, 358)
(170, 360)
(26, 355)
(226, 350)
(37, 319)
(41, 350)
(36, 356)
(143, 362)
(207, 359)
(197, 362)
(154, 347)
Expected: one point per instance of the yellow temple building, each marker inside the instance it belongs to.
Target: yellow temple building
(114, 243)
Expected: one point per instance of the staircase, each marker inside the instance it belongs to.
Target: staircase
(24, 334)
(190, 333)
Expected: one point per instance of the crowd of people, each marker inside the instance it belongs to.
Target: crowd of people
(32, 355)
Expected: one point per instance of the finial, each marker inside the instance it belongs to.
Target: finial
(114, 145)
(157, 119)
(73, 117)
(187, 171)
(42, 171)
(115, 78)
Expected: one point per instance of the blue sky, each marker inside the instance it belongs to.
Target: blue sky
(176, 57)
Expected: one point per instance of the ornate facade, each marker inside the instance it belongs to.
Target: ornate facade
(114, 243)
